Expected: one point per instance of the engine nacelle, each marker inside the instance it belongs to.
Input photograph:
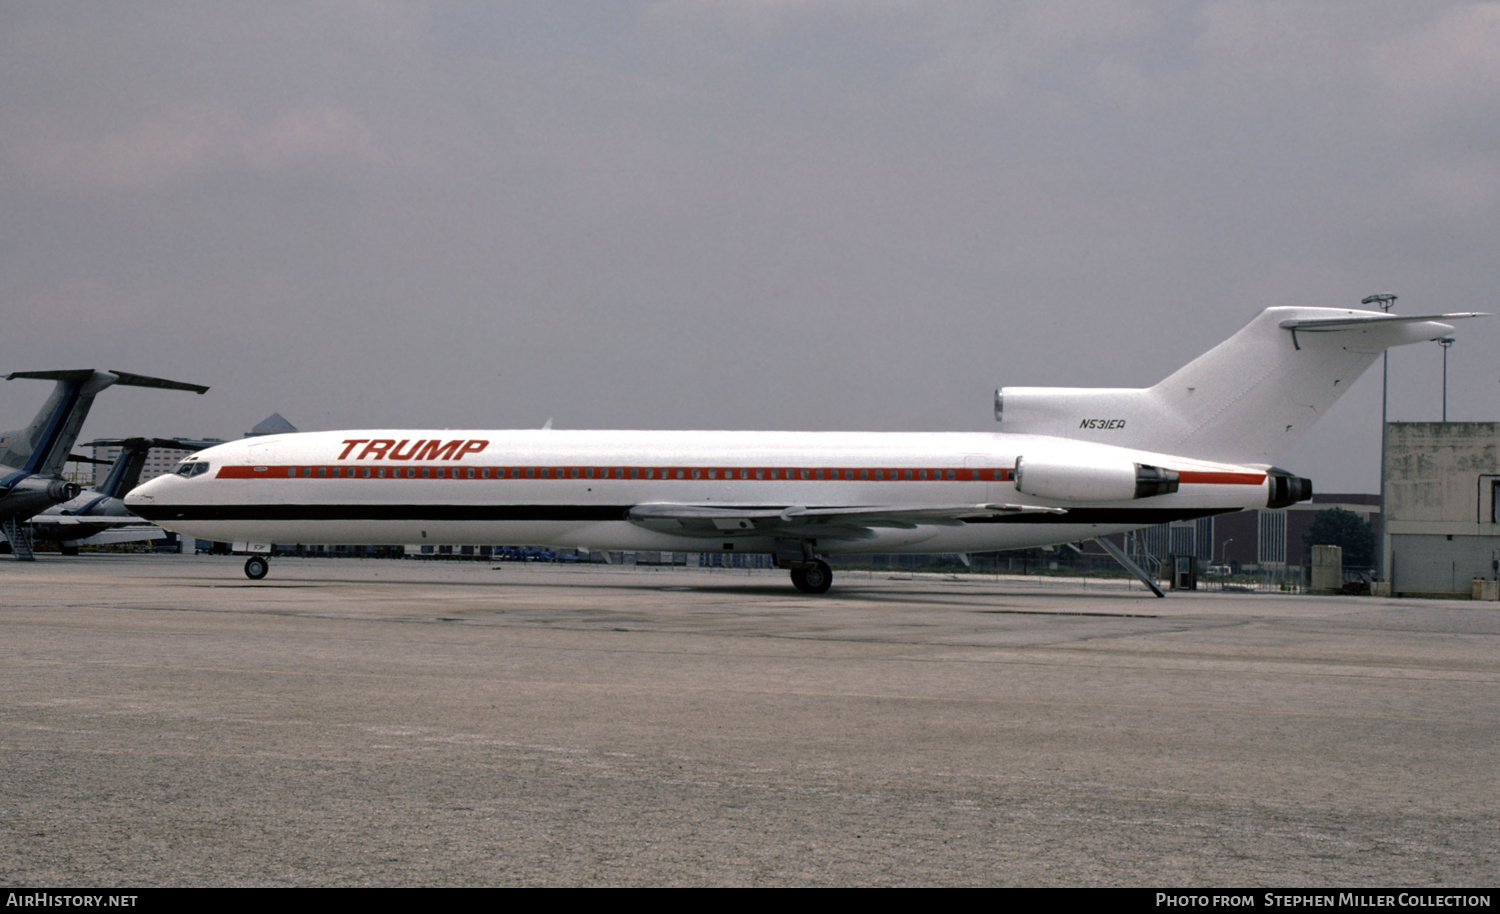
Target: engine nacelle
(38, 492)
(55, 490)
(61, 491)
(1287, 489)
(1114, 480)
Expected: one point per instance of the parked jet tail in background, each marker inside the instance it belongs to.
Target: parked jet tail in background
(98, 515)
(1069, 465)
(32, 458)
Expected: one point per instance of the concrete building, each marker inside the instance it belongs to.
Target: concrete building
(1443, 506)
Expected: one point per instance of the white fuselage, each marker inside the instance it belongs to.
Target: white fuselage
(574, 489)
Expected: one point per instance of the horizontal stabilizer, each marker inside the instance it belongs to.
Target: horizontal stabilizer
(69, 374)
(1365, 320)
(120, 377)
(175, 444)
(1375, 333)
(140, 380)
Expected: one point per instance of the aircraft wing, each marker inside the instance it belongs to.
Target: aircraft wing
(87, 520)
(133, 534)
(843, 522)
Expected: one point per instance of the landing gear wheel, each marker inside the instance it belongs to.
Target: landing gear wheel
(814, 578)
(256, 567)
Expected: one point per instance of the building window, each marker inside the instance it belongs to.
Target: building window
(1271, 537)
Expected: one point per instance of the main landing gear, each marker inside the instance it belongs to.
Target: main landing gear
(814, 578)
(810, 574)
(256, 567)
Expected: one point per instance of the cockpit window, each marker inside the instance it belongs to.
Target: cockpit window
(190, 468)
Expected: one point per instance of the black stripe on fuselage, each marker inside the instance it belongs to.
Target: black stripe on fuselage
(576, 513)
(1141, 517)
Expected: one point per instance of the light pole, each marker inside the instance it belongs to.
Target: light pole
(1384, 300)
(1445, 342)
(1224, 561)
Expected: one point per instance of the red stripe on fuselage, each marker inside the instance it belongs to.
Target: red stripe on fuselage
(656, 473)
(676, 473)
(1201, 478)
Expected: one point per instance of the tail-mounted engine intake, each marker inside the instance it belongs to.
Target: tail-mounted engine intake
(56, 490)
(1112, 481)
(1287, 489)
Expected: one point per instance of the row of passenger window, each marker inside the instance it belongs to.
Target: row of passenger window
(630, 473)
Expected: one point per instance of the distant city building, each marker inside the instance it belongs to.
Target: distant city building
(273, 424)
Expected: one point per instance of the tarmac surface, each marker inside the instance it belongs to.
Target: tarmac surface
(164, 721)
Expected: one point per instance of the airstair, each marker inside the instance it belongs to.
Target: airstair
(19, 535)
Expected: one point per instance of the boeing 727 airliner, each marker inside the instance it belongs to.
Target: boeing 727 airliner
(1068, 465)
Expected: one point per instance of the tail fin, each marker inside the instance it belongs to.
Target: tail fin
(42, 447)
(1245, 401)
(126, 473)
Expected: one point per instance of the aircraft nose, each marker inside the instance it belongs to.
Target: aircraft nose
(143, 494)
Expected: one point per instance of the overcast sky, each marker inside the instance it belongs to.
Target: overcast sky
(803, 214)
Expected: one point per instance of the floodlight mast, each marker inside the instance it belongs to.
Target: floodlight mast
(1445, 342)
